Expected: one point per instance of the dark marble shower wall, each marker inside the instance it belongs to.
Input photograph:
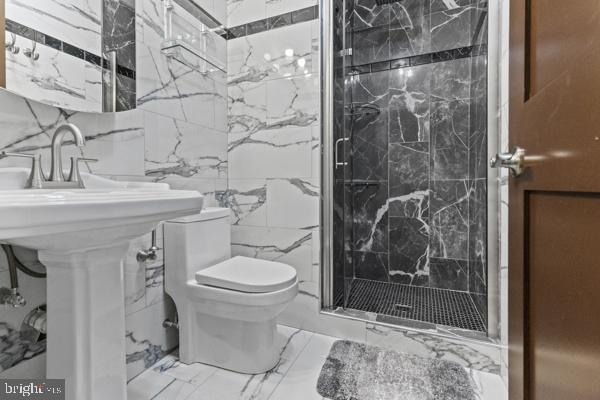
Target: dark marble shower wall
(118, 33)
(416, 113)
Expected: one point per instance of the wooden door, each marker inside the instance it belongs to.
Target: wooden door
(554, 262)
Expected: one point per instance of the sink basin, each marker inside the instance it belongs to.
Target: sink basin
(29, 215)
(82, 236)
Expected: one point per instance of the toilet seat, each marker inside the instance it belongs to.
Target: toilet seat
(248, 275)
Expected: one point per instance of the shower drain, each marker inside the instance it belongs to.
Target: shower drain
(402, 307)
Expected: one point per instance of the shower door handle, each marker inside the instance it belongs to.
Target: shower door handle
(337, 154)
(515, 161)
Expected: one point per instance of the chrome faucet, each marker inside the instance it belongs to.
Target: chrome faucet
(37, 178)
(56, 171)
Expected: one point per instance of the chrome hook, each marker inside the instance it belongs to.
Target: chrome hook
(11, 46)
(31, 52)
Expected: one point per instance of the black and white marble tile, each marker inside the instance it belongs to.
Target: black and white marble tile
(410, 32)
(371, 45)
(450, 140)
(118, 31)
(370, 217)
(369, 265)
(449, 219)
(368, 14)
(451, 28)
(408, 170)
(369, 144)
(409, 105)
(409, 251)
(449, 274)
(451, 80)
(372, 89)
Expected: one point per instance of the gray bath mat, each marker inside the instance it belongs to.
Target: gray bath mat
(355, 371)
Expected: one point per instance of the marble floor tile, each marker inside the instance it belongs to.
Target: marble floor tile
(294, 378)
(192, 373)
(176, 390)
(147, 385)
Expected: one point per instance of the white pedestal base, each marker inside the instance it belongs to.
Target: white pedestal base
(86, 322)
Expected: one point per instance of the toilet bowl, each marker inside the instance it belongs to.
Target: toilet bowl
(227, 307)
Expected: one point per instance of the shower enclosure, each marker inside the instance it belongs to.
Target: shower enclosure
(405, 150)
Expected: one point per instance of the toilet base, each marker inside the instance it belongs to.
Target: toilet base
(240, 346)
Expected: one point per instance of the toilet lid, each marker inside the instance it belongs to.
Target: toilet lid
(248, 275)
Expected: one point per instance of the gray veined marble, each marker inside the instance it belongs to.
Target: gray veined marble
(362, 372)
(13, 349)
(146, 351)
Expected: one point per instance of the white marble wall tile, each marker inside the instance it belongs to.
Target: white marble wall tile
(293, 203)
(146, 340)
(243, 11)
(218, 10)
(276, 7)
(272, 54)
(55, 78)
(247, 199)
(175, 147)
(293, 101)
(212, 189)
(316, 152)
(115, 139)
(167, 87)
(221, 101)
(93, 86)
(290, 246)
(26, 124)
(315, 44)
(277, 153)
(149, 19)
(134, 277)
(78, 22)
(470, 354)
(155, 270)
(247, 103)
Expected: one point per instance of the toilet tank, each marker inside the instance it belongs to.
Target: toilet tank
(196, 242)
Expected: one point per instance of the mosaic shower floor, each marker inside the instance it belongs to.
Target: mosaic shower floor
(436, 306)
(294, 378)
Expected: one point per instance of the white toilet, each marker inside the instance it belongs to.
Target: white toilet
(227, 307)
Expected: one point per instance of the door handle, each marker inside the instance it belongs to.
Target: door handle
(515, 161)
(337, 155)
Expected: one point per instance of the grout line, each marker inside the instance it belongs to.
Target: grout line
(312, 334)
(163, 389)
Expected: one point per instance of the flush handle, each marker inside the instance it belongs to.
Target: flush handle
(514, 161)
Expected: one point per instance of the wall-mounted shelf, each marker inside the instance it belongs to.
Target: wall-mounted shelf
(192, 36)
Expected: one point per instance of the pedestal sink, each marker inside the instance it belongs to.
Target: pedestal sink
(81, 236)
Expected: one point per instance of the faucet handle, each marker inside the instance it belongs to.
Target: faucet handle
(74, 175)
(36, 175)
